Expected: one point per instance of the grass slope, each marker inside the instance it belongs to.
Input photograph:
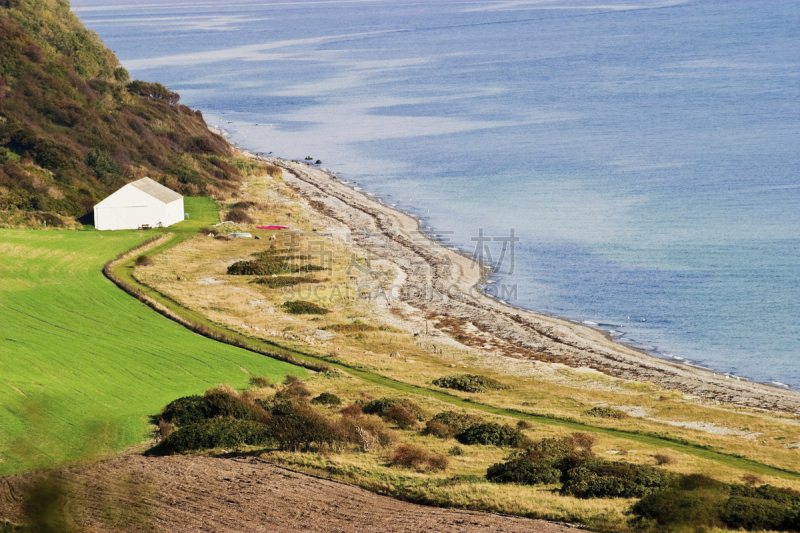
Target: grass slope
(82, 364)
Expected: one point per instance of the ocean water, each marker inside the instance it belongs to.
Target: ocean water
(646, 154)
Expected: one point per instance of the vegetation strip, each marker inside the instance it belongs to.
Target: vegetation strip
(122, 274)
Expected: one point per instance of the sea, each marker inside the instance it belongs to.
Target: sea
(634, 166)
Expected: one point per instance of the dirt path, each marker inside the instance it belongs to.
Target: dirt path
(204, 494)
(479, 321)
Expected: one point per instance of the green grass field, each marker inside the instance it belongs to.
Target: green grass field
(82, 364)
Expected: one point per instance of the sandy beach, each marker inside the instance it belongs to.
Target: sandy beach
(436, 289)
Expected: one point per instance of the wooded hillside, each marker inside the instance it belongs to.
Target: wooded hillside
(74, 127)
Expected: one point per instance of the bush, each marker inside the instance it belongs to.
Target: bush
(759, 514)
(663, 459)
(412, 456)
(491, 434)
(192, 409)
(296, 426)
(255, 268)
(381, 407)
(438, 462)
(259, 382)
(217, 433)
(469, 383)
(695, 509)
(456, 451)
(607, 412)
(598, 478)
(401, 416)
(239, 215)
(525, 470)
(294, 388)
(326, 398)
(448, 423)
(353, 410)
(369, 432)
(543, 462)
(300, 307)
(144, 260)
(752, 479)
(522, 425)
(700, 502)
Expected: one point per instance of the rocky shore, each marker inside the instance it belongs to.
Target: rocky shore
(436, 288)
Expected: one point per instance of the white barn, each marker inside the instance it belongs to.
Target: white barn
(143, 202)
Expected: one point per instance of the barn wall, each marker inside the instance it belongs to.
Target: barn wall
(174, 212)
(129, 208)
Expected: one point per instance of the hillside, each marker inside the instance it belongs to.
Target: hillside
(74, 127)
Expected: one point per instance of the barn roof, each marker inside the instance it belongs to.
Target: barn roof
(156, 190)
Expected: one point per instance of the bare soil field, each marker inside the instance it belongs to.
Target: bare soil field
(243, 494)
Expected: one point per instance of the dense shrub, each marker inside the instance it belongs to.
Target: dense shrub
(469, 383)
(381, 407)
(752, 480)
(326, 398)
(692, 510)
(456, 451)
(699, 502)
(300, 307)
(215, 433)
(525, 470)
(492, 434)
(438, 462)
(294, 388)
(296, 426)
(663, 459)
(144, 260)
(401, 416)
(192, 409)
(260, 382)
(758, 514)
(598, 478)
(353, 410)
(543, 462)
(412, 456)
(447, 423)
(607, 412)
(368, 432)
(239, 215)
(257, 268)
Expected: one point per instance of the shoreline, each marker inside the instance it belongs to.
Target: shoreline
(517, 332)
